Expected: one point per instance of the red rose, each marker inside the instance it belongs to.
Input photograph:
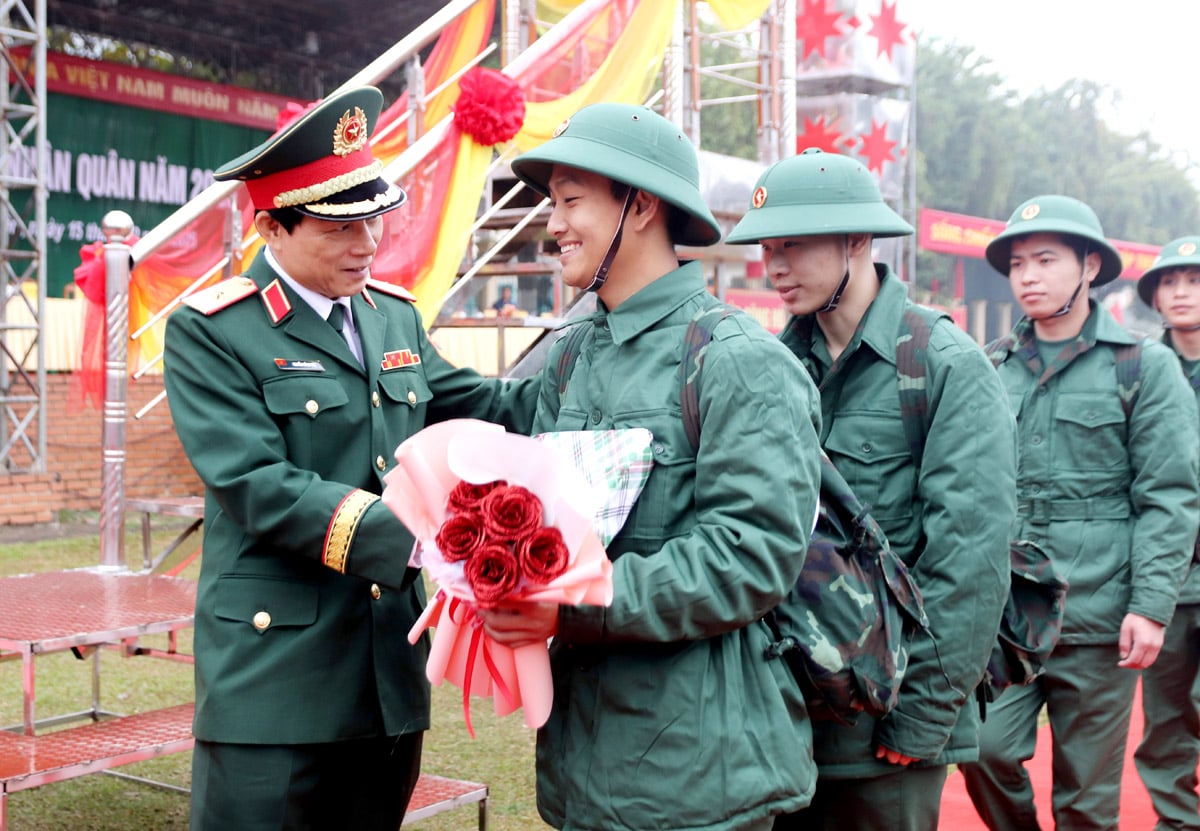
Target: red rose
(459, 536)
(493, 574)
(511, 512)
(466, 496)
(543, 555)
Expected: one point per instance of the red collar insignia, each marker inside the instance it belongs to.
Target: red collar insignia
(275, 299)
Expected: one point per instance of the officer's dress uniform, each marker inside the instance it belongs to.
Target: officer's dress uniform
(1115, 506)
(666, 713)
(305, 599)
(949, 519)
(1170, 747)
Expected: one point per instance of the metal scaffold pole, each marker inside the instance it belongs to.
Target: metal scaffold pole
(23, 160)
(117, 226)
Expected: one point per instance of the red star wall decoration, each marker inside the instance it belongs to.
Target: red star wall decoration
(875, 148)
(887, 29)
(814, 24)
(815, 133)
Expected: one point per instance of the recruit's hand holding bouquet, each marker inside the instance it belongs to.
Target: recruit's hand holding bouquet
(504, 517)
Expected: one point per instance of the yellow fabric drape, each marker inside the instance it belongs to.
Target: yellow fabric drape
(466, 183)
(626, 75)
(738, 14)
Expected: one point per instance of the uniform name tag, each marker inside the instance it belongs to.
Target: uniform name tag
(302, 366)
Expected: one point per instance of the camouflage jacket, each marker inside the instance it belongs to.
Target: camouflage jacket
(949, 520)
(1113, 502)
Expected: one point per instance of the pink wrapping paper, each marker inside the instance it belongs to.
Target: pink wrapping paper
(430, 464)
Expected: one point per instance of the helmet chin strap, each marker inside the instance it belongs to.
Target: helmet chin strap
(836, 297)
(1066, 309)
(601, 275)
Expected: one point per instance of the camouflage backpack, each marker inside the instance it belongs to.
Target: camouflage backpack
(844, 627)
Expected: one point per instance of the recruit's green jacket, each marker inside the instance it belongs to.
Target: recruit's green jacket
(1190, 591)
(305, 600)
(949, 519)
(1114, 504)
(667, 714)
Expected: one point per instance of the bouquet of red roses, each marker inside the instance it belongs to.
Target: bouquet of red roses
(501, 516)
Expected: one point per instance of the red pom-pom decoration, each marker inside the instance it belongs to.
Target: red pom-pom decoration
(490, 107)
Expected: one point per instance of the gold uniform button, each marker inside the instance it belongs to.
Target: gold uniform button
(262, 620)
(376, 592)
(380, 463)
(412, 397)
(312, 407)
(375, 398)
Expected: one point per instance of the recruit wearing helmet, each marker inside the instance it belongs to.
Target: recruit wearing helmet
(1053, 214)
(815, 194)
(634, 146)
(1178, 253)
(321, 164)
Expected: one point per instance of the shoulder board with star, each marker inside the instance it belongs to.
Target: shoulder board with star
(225, 293)
(391, 289)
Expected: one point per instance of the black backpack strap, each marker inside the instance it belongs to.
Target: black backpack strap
(695, 342)
(572, 347)
(1128, 359)
(912, 343)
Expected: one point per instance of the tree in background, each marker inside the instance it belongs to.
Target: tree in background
(982, 149)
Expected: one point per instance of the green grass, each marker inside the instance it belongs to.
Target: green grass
(501, 755)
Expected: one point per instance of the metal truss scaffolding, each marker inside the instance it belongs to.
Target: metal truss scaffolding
(22, 236)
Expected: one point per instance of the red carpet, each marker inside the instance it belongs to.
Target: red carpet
(958, 814)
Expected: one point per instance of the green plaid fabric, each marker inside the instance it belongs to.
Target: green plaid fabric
(616, 463)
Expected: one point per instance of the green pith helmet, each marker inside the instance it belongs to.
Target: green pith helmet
(1178, 253)
(817, 193)
(632, 145)
(1054, 214)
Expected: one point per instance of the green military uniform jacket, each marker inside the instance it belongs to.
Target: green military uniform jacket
(1189, 592)
(949, 519)
(667, 714)
(305, 599)
(1113, 503)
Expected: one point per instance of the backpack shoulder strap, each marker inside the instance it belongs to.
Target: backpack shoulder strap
(572, 347)
(1128, 358)
(695, 342)
(912, 343)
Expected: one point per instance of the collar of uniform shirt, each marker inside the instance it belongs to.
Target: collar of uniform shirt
(320, 304)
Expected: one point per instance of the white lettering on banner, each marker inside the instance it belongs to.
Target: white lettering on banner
(257, 108)
(21, 164)
(204, 99)
(141, 87)
(104, 176)
(162, 183)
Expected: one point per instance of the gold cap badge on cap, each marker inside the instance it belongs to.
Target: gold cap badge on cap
(1187, 249)
(560, 129)
(1030, 211)
(350, 134)
(759, 198)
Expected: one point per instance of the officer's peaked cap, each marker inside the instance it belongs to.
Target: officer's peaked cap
(321, 163)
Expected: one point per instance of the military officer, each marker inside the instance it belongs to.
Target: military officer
(1107, 485)
(1169, 751)
(310, 703)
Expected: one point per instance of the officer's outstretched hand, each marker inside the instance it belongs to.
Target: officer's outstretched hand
(1141, 640)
